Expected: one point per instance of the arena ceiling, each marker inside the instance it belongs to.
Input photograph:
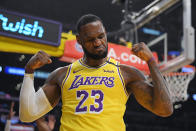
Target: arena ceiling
(111, 12)
(68, 11)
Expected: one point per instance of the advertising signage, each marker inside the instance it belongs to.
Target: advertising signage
(30, 28)
(73, 51)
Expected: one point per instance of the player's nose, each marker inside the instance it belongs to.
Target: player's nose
(97, 43)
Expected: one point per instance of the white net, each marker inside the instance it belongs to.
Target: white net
(178, 85)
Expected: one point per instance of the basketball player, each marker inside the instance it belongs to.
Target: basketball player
(94, 89)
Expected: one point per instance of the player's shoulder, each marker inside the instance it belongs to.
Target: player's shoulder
(127, 68)
(131, 72)
(57, 75)
(61, 70)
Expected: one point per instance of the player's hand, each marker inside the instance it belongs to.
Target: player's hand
(142, 51)
(40, 59)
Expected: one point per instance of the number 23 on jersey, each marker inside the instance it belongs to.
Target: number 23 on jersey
(96, 107)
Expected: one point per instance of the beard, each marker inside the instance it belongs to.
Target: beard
(95, 56)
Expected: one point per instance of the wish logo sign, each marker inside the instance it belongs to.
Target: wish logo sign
(30, 28)
(22, 28)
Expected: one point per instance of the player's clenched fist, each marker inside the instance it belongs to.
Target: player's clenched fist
(142, 51)
(38, 60)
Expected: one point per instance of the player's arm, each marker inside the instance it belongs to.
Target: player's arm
(156, 97)
(33, 104)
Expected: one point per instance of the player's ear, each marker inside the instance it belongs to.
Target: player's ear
(78, 39)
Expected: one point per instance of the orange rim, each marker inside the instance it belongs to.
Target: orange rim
(147, 72)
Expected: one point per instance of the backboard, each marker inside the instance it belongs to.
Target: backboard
(165, 26)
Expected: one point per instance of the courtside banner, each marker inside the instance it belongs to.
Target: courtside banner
(73, 51)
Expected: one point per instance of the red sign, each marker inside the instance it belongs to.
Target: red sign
(73, 51)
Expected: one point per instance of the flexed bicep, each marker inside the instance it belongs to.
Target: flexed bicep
(34, 104)
(153, 97)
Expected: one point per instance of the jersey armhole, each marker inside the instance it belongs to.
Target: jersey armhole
(122, 79)
(66, 76)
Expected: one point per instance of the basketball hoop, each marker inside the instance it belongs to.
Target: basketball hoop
(178, 84)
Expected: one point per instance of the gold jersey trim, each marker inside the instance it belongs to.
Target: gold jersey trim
(66, 76)
(85, 65)
(122, 79)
